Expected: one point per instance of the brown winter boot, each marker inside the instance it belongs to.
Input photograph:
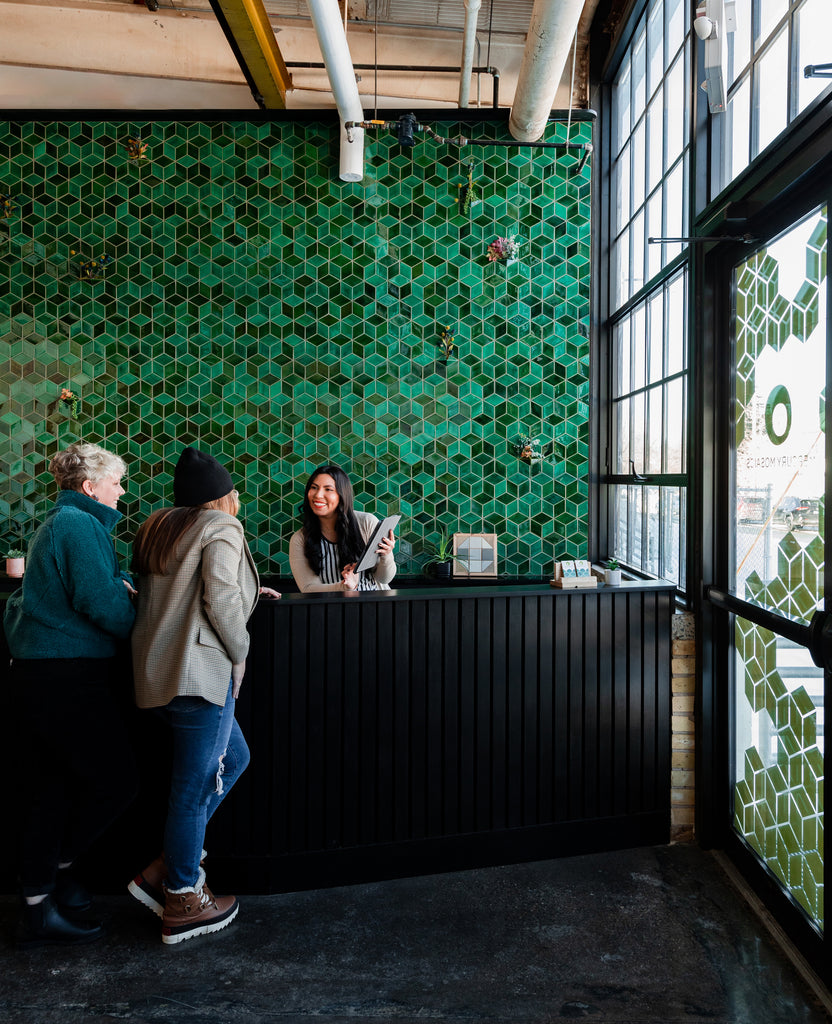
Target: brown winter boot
(195, 911)
(148, 885)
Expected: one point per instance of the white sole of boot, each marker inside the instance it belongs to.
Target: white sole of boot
(205, 929)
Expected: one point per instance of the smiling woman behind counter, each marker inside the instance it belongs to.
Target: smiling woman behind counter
(324, 552)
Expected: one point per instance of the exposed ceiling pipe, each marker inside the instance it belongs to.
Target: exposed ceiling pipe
(332, 39)
(431, 69)
(469, 39)
(551, 31)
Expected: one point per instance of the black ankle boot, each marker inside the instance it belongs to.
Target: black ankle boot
(42, 924)
(70, 895)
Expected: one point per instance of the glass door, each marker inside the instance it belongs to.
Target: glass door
(777, 556)
(779, 473)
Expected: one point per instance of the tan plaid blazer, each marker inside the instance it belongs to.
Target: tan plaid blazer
(191, 623)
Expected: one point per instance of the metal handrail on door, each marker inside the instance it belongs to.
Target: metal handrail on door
(816, 637)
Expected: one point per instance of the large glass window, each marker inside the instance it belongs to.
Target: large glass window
(651, 129)
(646, 469)
(648, 461)
(774, 40)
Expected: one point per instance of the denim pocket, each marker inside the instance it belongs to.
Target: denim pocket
(187, 704)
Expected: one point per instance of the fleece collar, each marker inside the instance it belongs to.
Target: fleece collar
(108, 517)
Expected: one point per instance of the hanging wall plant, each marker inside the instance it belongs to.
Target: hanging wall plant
(531, 450)
(467, 193)
(7, 206)
(69, 401)
(136, 150)
(91, 269)
(446, 343)
(503, 249)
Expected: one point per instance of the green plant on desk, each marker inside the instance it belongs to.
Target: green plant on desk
(15, 562)
(441, 556)
(445, 548)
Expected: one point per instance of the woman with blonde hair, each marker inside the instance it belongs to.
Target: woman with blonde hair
(64, 626)
(197, 588)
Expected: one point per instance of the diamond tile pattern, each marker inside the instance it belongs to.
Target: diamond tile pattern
(778, 803)
(262, 309)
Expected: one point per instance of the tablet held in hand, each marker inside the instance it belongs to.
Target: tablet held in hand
(369, 556)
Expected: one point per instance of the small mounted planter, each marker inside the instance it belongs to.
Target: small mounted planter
(612, 577)
(15, 566)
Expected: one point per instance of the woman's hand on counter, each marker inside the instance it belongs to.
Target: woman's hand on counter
(268, 592)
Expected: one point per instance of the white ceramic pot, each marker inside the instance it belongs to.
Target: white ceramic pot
(612, 577)
(15, 566)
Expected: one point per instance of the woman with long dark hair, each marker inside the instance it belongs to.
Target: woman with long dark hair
(324, 552)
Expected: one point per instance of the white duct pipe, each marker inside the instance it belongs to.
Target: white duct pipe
(551, 31)
(469, 39)
(332, 39)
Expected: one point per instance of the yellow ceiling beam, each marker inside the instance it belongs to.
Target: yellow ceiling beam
(251, 36)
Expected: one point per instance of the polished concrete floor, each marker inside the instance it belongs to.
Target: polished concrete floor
(654, 934)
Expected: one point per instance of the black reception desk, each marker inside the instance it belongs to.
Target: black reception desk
(433, 729)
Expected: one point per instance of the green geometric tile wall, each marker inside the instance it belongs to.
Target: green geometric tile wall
(257, 306)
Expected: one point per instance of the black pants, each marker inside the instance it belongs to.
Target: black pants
(73, 760)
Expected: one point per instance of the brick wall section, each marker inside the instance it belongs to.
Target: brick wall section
(683, 731)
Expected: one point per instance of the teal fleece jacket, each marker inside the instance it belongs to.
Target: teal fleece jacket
(73, 602)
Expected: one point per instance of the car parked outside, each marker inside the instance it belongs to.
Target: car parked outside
(798, 513)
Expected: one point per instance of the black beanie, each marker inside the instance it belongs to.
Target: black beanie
(198, 478)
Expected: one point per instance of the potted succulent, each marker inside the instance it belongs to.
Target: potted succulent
(15, 562)
(612, 572)
(442, 560)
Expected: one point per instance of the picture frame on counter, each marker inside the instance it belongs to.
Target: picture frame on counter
(475, 554)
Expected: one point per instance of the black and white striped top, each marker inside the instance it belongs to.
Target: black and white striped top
(331, 569)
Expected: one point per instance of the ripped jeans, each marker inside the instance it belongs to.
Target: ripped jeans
(209, 755)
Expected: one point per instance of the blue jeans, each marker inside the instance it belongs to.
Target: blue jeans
(209, 755)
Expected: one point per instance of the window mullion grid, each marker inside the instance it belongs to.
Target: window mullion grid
(665, 170)
(630, 404)
(643, 393)
(793, 105)
(753, 81)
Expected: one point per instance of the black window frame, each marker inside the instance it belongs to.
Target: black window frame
(606, 474)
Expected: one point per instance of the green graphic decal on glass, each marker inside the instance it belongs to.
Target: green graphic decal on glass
(778, 397)
(779, 554)
(257, 306)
